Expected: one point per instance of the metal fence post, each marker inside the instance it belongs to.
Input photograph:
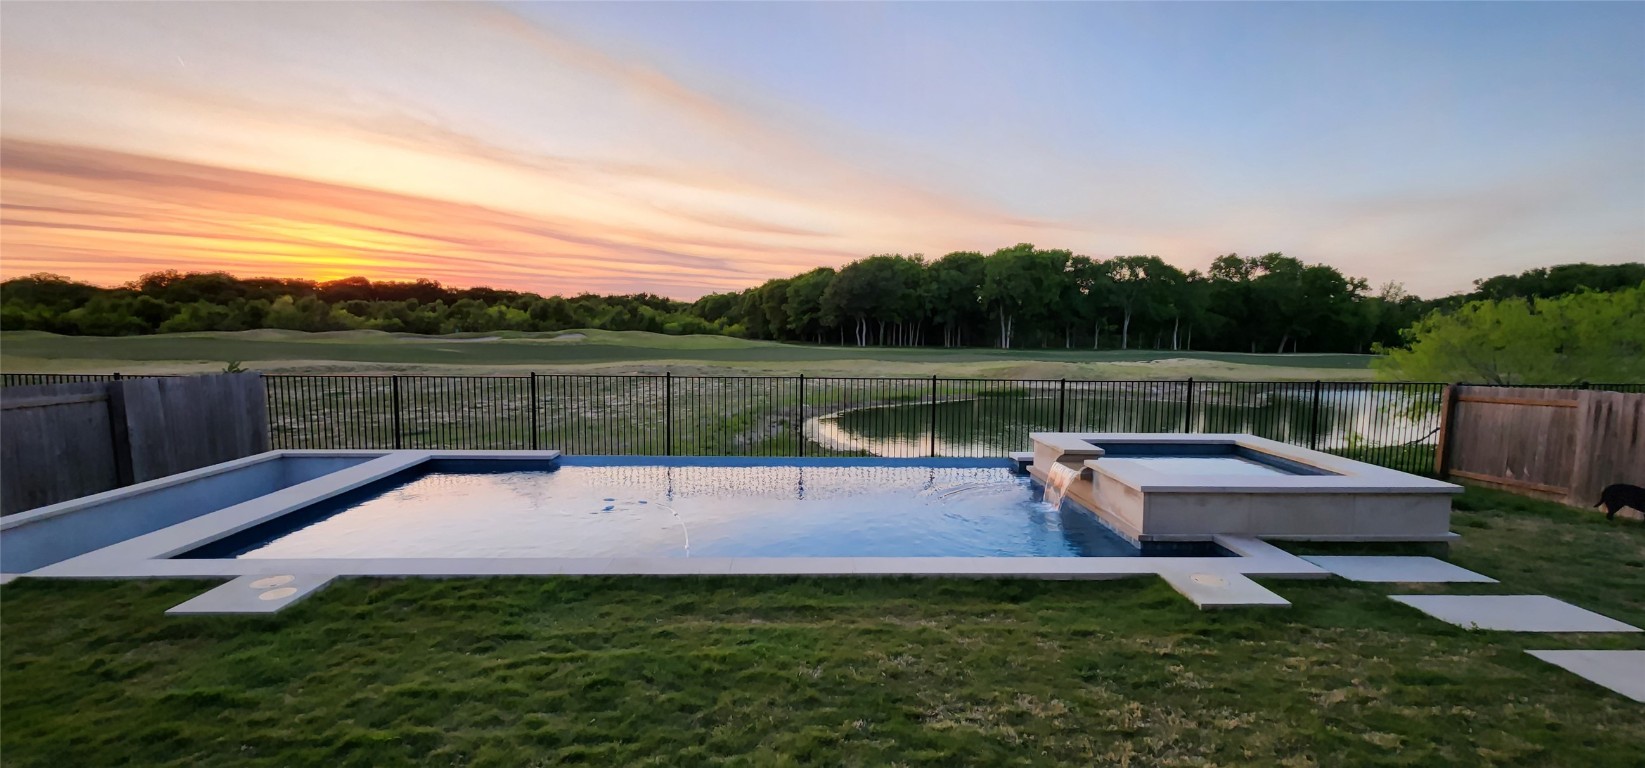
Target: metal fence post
(1442, 446)
(1313, 427)
(533, 410)
(1062, 405)
(668, 413)
(799, 423)
(1188, 408)
(395, 379)
(933, 414)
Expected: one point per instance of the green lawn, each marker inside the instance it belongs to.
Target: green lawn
(607, 350)
(769, 671)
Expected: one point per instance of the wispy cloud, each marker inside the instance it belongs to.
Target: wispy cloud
(725, 192)
(521, 147)
(107, 211)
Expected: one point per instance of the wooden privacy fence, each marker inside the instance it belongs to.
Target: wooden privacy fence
(1560, 444)
(64, 441)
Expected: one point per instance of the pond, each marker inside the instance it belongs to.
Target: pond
(1349, 417)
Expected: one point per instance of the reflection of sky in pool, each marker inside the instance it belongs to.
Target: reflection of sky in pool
(698, 511)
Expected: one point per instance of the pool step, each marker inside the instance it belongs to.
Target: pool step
(260, 594)
(1221, 589)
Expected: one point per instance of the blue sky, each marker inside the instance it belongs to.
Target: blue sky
(690, 147)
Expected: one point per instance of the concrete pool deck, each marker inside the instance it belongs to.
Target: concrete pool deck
(1210, 582)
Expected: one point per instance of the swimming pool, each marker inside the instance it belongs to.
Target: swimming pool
(585, 508)
(413, 513)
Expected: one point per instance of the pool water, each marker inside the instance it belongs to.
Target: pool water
(685, 511)
(1207, 465)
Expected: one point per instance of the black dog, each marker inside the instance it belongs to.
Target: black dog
(1615, 497)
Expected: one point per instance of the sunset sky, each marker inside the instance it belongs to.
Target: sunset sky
(691, 148)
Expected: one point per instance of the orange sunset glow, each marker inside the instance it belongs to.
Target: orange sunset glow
(564, 148)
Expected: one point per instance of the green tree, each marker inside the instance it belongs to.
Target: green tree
(1547, 282)
(1141, 286)
(1569, 339)
(1022, 283)
(906, 299)
(953, 283)
(853, 295)
(805, 303)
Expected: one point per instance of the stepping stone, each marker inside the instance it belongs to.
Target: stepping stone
(1409, 570)
(252, 594)
(1222, 590)
(1620, 671)
(1513, 613)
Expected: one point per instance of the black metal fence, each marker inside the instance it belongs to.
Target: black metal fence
(34, 379)
(1393, 424)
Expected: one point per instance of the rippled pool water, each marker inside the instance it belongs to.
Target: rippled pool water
(687, 511)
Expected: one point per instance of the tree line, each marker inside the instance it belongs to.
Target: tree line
(1028, 296)
(1021, 296)
(174, 302)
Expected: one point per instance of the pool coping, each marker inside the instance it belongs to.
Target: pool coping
(1351, 476)
(74, 505)
(152, 555)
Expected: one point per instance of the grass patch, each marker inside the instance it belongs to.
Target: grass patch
(772, 671)
(626, 351)
(1017, 392)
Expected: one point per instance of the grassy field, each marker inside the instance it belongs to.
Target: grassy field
(628, 352)
(648, 671)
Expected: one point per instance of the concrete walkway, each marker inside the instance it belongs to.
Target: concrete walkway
(1619, 671)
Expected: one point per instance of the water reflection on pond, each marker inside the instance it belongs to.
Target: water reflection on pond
(1348, 417)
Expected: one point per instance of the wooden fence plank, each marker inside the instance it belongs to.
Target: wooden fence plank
(1512, 437)
(1545, 443)
(64, 441)
(1611, 445)
(52, 453)
(1442, 449)
(178, 424)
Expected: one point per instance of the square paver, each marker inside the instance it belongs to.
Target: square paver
(1620, 671)
(252, 594)
(1222, 590)
(1409, 570)
(1513, 613)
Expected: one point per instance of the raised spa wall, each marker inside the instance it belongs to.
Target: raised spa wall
(1331, 499)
